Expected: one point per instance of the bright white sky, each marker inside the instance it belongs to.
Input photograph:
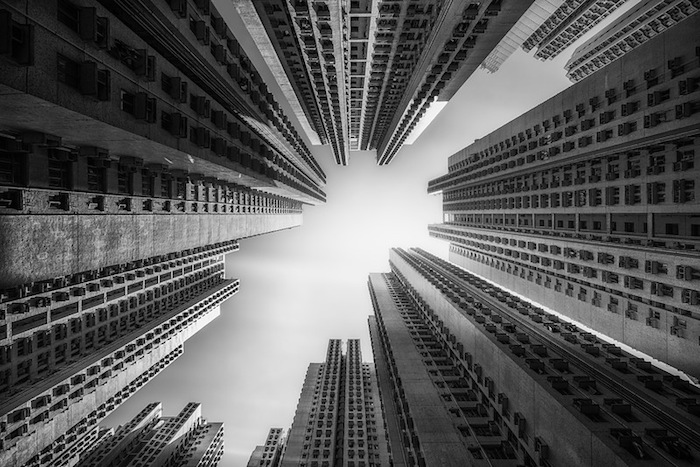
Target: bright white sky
(303, 286)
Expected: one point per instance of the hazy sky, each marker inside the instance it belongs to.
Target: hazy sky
(303, 286)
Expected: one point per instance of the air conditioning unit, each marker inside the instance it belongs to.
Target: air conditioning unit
(687, 86)
(691, 297)
(685, 110)
(685, 273)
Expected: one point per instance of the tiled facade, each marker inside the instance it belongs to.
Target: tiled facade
(338, 421)
(150, 440)
(588, 203)
(74, 348)
(471, 375)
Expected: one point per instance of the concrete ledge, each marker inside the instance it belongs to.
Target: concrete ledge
(39, 247)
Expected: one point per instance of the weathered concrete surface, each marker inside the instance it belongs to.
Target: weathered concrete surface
(433, 424)
(38, 247)
(655, 342)
(549, 415)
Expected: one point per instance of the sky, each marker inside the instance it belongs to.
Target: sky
(304, 286)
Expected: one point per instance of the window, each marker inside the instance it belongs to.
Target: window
(200, 30)
(672, 229)
(175, 87)
(135, 59)
(68, 71)
(175, 123)
(685, 160)
(84, 77)
(127, 102)
(139, 105)
(17, 40)
(68, 14)
(683, 191)
(150, 72)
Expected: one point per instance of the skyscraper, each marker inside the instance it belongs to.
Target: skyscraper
(571, 20)
(338, 421)
(138, 144)
(640, 24)
(74, 350)
(150, 439)
(433, 50)
(374, 69)
(588, 203)
(309, 40)
(122, 122)
(269, 454)
(470, 374)
(550, 26)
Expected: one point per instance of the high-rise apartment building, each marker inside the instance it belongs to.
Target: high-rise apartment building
(269, 454)
(550, 26)
(138, 143)
(72, 350)
(363, 23)
(637, 26)
(588, 203)
(151, 439)
(571, 20)
(338, 421)
(431, 49)
(122, 122)
(373, 69)
(309, 40)
(87, 441)
(471, 375)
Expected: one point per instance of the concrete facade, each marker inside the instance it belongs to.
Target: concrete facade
(570, 21)
(304, 110)
(338, 421)
(520, 386)
(150, 440)
(138, 143)
(550, 26)
(374, 67)
(270, 453)
(310, 40)
(147, 87)
(128, 134)
(428, 50)
(123, 437)
(63, 245)
(588, 202)
(74, 348)
(303, 65)
(419, 425)
(87, 442)
(362, 22)
(640, 24)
